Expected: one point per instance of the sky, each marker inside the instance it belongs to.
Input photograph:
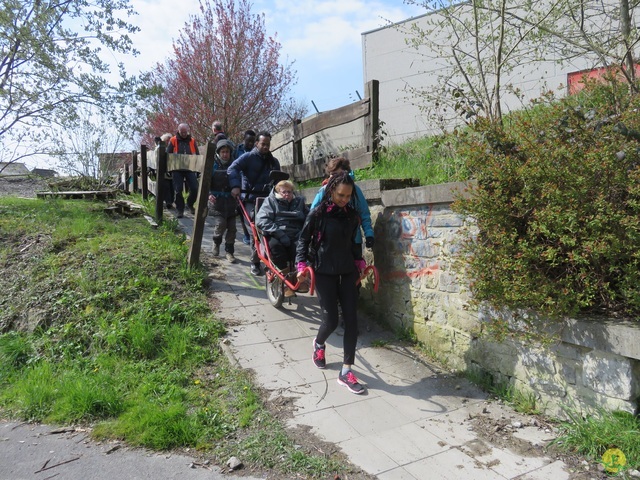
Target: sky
(321, 37)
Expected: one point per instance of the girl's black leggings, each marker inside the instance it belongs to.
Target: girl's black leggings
(331, 289)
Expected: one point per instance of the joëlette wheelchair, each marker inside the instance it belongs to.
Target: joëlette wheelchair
(275, 280)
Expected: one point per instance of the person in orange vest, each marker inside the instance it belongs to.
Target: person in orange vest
(183, 143)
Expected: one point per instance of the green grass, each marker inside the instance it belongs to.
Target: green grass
(521, 401)
(104, 324)
(430, 160)
(525, 402)
(596, 432)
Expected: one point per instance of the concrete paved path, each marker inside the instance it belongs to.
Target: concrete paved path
(414, 422)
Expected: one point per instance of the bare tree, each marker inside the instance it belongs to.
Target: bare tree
(51, 61)
(81, 149)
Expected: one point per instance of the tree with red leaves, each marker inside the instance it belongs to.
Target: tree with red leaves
(224, 67)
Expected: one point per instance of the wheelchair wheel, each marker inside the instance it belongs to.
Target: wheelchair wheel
(273, 286)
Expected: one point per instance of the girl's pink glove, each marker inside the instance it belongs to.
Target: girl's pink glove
(301, 266)
(360, 265)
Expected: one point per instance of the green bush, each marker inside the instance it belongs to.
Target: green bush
(557, 205)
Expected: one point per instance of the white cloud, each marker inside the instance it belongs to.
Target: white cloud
(322, 37)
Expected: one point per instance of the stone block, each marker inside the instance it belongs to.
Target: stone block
(429, 194)
(619, 338)
(538, 360)
(569, 351)
(586, 400)
(448, 283)
(610, 375)
(494, 357)
(424, 248)
(548, 386)
(446, 220)
(568, 372)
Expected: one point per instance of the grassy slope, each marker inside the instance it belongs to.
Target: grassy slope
(103, 324)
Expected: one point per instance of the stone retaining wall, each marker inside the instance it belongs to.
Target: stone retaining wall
(594, 364)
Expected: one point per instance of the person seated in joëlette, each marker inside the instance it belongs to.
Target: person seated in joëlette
(280, 219)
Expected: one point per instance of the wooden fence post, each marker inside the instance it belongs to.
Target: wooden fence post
(298, 158)
(372, 121)
(161, 170)
(134, 172)
(202, 209)
(127, 169)
(145, 175)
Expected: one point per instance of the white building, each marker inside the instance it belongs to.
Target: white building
(398, 67)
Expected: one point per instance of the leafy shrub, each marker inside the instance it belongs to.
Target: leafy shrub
(557, 206)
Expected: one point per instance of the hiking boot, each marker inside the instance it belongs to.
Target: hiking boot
(216, 250)
(255, 270)
(246, 239)
(230, 257)
(304, 286)
(318, 355)
(288, 276)
(351, 382)
(180, 214)
(192, 209)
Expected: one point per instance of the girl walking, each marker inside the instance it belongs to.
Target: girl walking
(327, 243)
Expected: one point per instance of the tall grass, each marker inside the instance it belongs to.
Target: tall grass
(431, 160)
(594, 433)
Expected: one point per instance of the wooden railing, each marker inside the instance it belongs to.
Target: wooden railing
(160, 162)
(292, 138)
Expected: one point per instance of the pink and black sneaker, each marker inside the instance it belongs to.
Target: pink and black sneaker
(318, 355)
(350, 381)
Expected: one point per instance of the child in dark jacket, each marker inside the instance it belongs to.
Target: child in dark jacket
(327, 243)
(222, 205)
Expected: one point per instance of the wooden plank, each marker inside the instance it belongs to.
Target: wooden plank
(298, 157)
(358, 157)
(134, 170)
(143, 168)
(103, 194)
(152, 186)
(151, 221)
(160, 185)
(332, 118)
(371, 121)
(282, 137)
(181, 161)
(152, 156)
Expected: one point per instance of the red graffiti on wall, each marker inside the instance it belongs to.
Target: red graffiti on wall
(415, 273)
(413, 227)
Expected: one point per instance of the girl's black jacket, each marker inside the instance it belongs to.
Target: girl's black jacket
(327, 241)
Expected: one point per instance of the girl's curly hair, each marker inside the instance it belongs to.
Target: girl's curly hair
(339, 178)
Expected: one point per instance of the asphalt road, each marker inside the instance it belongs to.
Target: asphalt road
(44, 452)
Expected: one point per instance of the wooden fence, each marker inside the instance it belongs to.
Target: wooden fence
(287, 145)
(149, 166)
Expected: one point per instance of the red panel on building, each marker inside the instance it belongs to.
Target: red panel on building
(575, 80)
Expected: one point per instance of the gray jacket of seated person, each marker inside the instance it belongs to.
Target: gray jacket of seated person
(278, 217)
